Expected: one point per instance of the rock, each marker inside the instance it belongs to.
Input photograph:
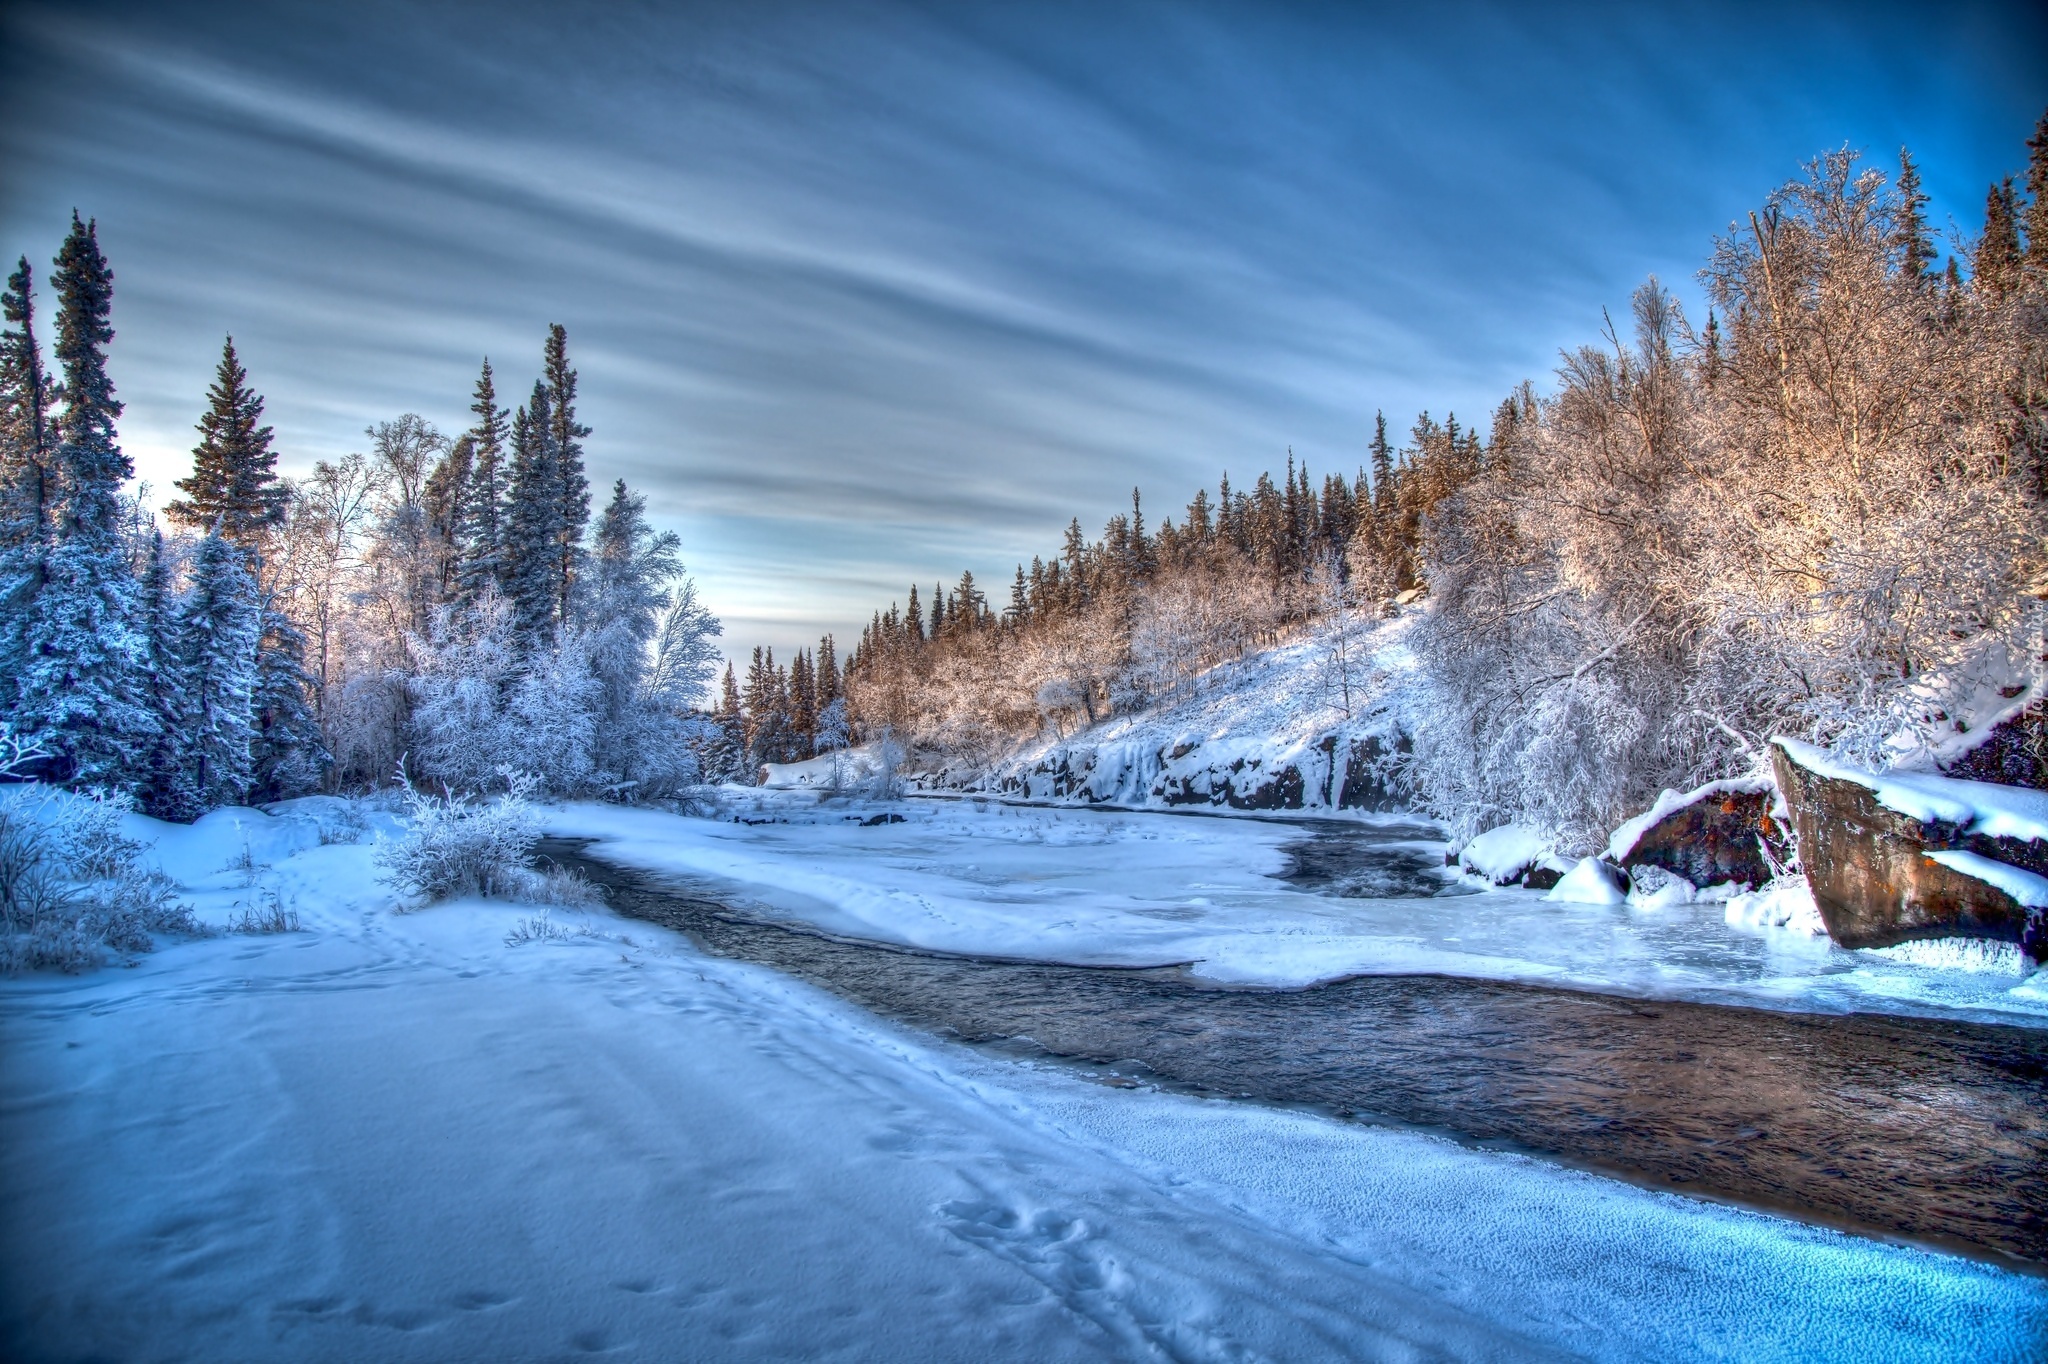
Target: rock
(1868, 865)
(1544, 876)
(1711, 836)
(1366, 784)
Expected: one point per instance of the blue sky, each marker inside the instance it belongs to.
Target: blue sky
(868, 293)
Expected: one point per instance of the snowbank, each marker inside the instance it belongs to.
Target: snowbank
(395, 1137)
(847, 770)
(1502, 855)
(1591, 882)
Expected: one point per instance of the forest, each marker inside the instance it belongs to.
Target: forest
(1819, 512)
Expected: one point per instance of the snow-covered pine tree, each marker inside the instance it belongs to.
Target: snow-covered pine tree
(166, 787)
(27, 434)
(234, 484)
(828, 682)
(234, 491)
(634, 741)
(441, 501)
(218, 636)
(288, 756)
(27, 456)
(570, 485)
(80, 687)
(483, 560)
(531, 522)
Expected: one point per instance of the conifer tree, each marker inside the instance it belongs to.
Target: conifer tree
(1382, 470)
(1915, 243)
(27, 433)
(288, 756)
(217, 648)
(483, 561)
(2037, 201)
(1996, 270)
(825, 673)
(234, 492)
(442, 501)
(234, 484)
(570, 486)
(80, 684)
(166, 788)
(913, 617)
(532, 522)
(27, 457)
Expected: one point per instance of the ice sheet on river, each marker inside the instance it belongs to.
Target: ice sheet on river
(397, 1137)
(1095, 887)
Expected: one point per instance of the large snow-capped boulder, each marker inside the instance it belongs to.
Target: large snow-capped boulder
(1899, 856)
(1714, 835)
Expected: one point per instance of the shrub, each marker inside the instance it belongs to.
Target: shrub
(461, 845)
(72, 894)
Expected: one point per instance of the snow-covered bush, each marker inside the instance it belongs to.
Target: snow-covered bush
(461, 845)
(1817, 516)
(72, 891)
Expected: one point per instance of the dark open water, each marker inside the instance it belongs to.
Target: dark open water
(1913, 1128)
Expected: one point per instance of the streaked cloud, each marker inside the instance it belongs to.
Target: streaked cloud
(866, 294)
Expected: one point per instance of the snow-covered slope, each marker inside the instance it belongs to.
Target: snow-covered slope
(398, 1137)
(1273, 731)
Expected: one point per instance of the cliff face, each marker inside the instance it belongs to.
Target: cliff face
(1892, 857)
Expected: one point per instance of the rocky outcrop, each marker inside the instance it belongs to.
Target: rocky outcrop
(1719, 834)
(1335, 772)
(1868, 860)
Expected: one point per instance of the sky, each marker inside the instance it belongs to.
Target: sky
(866, 294)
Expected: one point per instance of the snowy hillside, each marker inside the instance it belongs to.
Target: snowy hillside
(1296, 727)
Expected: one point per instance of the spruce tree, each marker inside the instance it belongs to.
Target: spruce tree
(234, 484)
(80, 685)
(166, 788)
(234, 492)
(27, 434)
(483, 562)
(288, 756)
(1915, 244)
(218, 640)
(565, 448)
(1996, 270)
(27, 457)
(531, 523)
(2037, 201)
(829, 689)
(1382, 470)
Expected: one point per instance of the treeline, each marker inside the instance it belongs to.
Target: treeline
(442, 607)
(1122, 621)
(1820, 512)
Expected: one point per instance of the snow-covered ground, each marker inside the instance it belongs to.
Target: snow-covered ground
(1137, 888)
(396, 1136)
